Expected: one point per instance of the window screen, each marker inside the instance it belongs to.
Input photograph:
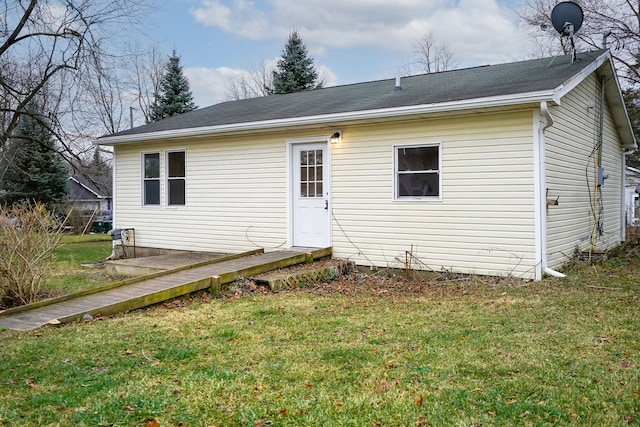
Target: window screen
(176, 177)
(151, 181)
(417, 171)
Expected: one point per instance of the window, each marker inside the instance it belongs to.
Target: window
(176, 178)
(417, 171)
(311, 173)
(151, 181)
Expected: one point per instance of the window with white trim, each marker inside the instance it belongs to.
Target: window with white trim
(151, 179)
(417, 171)
(176, 178)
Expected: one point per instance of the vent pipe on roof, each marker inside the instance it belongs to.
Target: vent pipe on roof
(398, 87)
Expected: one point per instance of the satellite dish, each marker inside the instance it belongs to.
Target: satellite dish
(567, 17)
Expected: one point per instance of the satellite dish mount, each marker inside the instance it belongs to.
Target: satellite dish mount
(566, 18)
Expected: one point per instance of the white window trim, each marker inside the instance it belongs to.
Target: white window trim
(143, 179)
(395, 173)
(167, 178)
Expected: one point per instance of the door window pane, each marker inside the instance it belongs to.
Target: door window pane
(311, 178)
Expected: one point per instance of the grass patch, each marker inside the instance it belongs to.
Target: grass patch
(556, 352)
(68, 274)
(77, 238)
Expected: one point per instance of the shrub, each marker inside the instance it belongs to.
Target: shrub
(28, 237)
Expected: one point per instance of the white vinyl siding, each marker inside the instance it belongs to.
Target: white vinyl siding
(235, 196)
(484, 222)
(571, 175)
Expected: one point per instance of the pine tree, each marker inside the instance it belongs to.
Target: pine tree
(35, 170)
(174, 95)
(295, 71)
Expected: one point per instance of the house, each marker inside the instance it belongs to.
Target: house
(632, 201)
(90, 204)
(492, 170)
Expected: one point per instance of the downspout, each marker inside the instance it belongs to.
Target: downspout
(113, 204)
(541, 196)
(623, 214)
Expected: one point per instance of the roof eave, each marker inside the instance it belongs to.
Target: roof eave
(443, 107)
(86, 187)
(604, 65)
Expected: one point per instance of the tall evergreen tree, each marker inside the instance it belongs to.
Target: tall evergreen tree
(295, 71)
(174, 95)
(34, 169)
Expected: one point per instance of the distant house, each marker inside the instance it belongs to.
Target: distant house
(632, 201)
(89, 203)
(491, 170)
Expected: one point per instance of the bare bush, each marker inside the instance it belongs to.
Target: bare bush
(28, 238)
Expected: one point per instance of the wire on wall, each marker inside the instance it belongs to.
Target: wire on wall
(349, 239)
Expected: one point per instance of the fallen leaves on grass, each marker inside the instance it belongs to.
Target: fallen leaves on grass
(151, 422)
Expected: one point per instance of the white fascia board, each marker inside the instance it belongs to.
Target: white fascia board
(621, 115)
(476, 103)
(574, 81)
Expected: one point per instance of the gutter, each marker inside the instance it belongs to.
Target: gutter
(331, 119)
(541, 198)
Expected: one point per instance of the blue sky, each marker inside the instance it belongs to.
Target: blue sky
(350, 40)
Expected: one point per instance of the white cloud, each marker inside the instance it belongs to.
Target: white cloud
(209, 85)
(477, 31)
(240, 18)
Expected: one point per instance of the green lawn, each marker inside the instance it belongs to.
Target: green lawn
(362, 352)
(68, 273)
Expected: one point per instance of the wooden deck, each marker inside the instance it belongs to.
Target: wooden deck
(152, 289)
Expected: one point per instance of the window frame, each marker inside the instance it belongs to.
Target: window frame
(169, 178)
(143, 165)
(397, 173)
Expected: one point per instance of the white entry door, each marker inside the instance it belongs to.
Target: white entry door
(310, 195)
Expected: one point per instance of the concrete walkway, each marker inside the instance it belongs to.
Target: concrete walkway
(147, 290)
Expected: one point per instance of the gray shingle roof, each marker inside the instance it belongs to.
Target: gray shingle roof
(449, 86)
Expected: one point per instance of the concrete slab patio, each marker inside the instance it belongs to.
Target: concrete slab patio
(133, 267)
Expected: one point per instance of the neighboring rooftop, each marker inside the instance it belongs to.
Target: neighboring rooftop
(81, 188)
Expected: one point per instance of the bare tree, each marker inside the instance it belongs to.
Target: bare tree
(617, 21)
(251, 84)
(147, 68)
(430, 56)
(258, 81)
(55, 51)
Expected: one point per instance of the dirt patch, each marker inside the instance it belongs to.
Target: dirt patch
(393, 283)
